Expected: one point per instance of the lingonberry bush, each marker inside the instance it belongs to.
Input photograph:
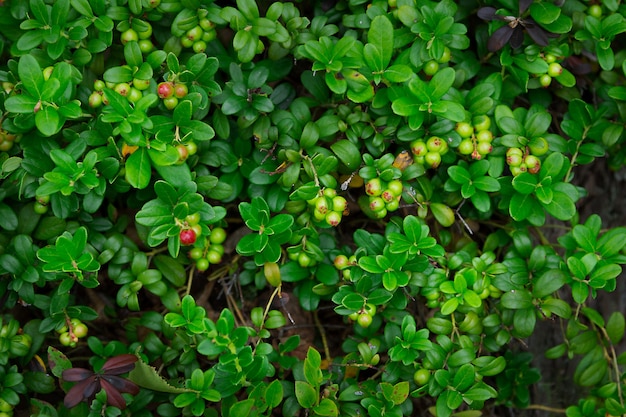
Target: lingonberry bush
(314, 208)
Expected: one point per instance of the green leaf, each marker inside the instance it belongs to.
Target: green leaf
(459, 174)
(20, 104)
(544, 12)
(31, 75)
(326, 408)
(537, 124)
(398, 73)
(464, 377)
(549, 282)
(443, 214)
(487, 184)
(305, 394)
(8, 218)
(615, 327)
(441, 82)
(147, 376)
(380, 36)
(521, 206)
(83, 7)
(561, 207)
(171, 269)
(348, 153)
(138, 169)
(517, 299)
(48, 120)
(585, 238)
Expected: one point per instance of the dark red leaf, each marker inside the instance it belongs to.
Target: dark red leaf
(536, 33)
(81, 391)
(517, 38)
(119, 364)
(76, 374)
(487, 13)
(524, 5)
(121, 384)
(499, 38)
(114, 397)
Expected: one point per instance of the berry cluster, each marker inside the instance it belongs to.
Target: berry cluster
(329, 207)
(185, 150)
(343, 264)
(69, 335)
(6, 140)
(429, 153)
(41, 204)
(520, 161)
(198, 36)
(170, 92)
(13, 342)
(476, 137)
(211, 252)
(133, 91)
(365, 315)
(526, 159)
(190, 229)
(554, 70)
(383, 196)
(142, 37)
(298, 254)
(6, 409)
(431, 67)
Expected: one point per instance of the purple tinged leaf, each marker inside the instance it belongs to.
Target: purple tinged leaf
(524, 5)
(517, 38)
(76, 374)
(121, 384)
(536, 33)
(499, 38)
(487, 13)
(81, 391)
(114, 397)
(119, 364)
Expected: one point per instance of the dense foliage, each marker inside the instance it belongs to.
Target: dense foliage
(190, 187)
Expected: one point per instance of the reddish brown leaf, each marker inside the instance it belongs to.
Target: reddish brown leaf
(119, 364)
(81, 391)
(499, 38)
(114, 397)
(76, 374)
(121, 384)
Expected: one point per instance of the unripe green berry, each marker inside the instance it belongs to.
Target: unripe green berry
(340, 204)
(464, 129)
(484, 136)
(202, 264)
(393, 205)
(555, 69)
(374, 187)
(333, 218)
(431, 68)
(377, 203)
(545, 80)
(432, 159)
(418, 147)
(466, 147)
(484, 148)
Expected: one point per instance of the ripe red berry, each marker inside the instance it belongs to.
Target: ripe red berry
(165, 89)
(187, 237)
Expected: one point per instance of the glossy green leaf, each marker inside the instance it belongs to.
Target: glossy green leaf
(139, 169)
(347, 153)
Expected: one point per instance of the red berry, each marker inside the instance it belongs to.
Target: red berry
(187, 237)
(165, 89)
